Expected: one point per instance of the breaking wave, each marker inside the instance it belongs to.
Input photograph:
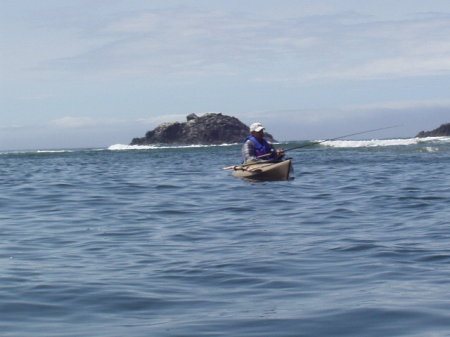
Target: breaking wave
(121, 147)
(384, 142)
(53, 151)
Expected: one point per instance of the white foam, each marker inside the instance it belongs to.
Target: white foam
(121, 147)
(371, 143)
(435, 139)
(53, 151)
(20, 152)
(384, 142)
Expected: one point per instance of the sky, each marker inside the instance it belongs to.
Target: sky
(96, 73)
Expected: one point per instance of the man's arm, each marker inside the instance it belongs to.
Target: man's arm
(248, 151)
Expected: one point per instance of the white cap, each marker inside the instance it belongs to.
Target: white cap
(256, 127)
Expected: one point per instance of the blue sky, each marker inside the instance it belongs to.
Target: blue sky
(96, 73)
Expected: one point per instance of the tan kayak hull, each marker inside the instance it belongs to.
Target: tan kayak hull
(264, 171)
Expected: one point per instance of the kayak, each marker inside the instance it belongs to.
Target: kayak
(268, 171)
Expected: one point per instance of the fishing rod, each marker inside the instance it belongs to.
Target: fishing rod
(345, 136)
(311, 144)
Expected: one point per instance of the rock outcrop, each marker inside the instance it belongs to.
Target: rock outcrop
(443, 130)
(209, 129)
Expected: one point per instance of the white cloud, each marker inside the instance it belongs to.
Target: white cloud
(403, 105)
(190, 43)
(390, 68)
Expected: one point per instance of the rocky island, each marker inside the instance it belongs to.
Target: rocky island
(443, 130)
(208, 129)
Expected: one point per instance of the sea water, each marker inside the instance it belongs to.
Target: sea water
(161, 241)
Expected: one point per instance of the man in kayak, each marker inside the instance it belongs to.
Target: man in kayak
(256, 147)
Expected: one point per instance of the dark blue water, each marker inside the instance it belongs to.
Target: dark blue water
(163, 242)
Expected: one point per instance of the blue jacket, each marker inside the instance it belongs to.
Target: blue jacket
(260, 148)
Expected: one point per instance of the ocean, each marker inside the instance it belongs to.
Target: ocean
(161, 241)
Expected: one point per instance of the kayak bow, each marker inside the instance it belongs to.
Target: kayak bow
(265, 171)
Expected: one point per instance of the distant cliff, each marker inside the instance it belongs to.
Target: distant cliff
(443, 130)
(209, 129)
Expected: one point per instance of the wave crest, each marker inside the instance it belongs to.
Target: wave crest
(118, 147)
(384, 142)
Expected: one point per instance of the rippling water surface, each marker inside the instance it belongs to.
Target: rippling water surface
(163, 242)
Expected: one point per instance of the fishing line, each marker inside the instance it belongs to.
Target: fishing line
(315, 143)
(340, 137)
